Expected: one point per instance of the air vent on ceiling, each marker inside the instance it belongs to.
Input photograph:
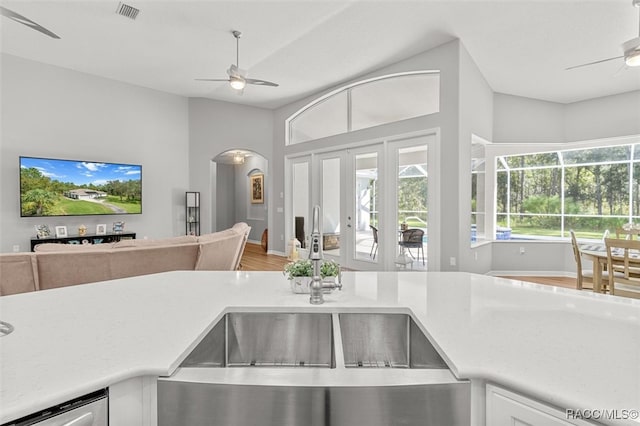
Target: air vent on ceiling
(128, 11)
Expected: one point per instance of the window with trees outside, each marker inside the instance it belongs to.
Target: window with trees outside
(544, 195)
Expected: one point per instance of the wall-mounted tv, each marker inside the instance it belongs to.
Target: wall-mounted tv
(52, 187)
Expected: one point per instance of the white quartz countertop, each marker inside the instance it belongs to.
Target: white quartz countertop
(572, 349)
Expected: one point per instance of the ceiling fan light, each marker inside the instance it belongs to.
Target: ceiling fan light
(632, 59)
(237, 83)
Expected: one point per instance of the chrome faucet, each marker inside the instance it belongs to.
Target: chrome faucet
(315, 255)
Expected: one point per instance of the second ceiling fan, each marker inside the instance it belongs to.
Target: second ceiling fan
(238, 77)
(630, 48)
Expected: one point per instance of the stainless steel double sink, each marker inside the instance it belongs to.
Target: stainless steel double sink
(308, 368)
(269, 339)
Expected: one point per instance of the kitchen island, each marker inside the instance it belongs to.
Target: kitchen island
(570, 349)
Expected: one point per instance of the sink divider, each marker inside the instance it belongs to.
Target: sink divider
(337, 341)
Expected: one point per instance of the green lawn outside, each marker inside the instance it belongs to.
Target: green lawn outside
(542, 232)
(79, 207)
(129, 207)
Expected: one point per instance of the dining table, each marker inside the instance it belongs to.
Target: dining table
(597, 254)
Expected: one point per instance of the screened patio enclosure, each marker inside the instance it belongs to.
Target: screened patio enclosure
(589, 190)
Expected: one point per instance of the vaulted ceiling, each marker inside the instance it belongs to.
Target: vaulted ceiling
(521, 47)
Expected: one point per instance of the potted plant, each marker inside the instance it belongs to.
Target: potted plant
(300, 273)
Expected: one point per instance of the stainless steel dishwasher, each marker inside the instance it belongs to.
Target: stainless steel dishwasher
(314, 369)
(87, 410)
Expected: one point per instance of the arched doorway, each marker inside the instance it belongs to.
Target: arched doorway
(240, 191)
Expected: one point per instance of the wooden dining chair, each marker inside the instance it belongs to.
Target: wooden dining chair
(627, 234)
(623, 259)
(583, 276)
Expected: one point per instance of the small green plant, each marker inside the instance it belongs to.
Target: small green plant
(304, 268)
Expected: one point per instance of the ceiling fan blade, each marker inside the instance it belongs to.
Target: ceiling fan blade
(624, 67)
(260, 82)
(26, 21)
(211, 79)
(593, 63)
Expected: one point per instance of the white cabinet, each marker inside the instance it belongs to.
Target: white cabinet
(506, 408)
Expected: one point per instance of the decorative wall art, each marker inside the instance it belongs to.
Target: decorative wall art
(257, 188)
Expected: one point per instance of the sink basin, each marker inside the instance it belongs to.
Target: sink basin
(385, 340)
(267, 339)
(423, 392)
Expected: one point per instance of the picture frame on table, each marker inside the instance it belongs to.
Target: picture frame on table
(101, 229)
(61, 232)
(256, 188)
(118, 227)
(43, 231)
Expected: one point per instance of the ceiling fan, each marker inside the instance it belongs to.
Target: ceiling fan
(631, 49)
(26, 21)
(237, 77)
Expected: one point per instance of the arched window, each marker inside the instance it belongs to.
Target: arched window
(366, 103)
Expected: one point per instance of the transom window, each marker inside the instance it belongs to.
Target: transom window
(589, 190)
(366, 104)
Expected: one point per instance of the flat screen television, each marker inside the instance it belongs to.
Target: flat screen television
(53, 187)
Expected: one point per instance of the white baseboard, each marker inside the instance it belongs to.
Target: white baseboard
(277, 253)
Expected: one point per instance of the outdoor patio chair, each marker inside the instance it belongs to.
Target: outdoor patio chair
(374, 246)
(412, 238)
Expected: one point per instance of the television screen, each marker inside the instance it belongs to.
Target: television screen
(50, 187)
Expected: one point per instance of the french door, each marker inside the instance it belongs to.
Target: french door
(365, 194)
(349, 196)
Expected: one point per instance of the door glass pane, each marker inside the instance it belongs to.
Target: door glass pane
(301, 202)
(365, 218)
(412, 203)
(331, 206)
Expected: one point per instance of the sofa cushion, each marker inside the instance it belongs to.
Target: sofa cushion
(133, 261)
(184, 239)
(61, 268)
(18, 273)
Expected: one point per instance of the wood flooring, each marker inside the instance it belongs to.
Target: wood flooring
(254, 258)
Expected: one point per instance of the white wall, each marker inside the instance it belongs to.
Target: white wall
(53, 112)
(475, 118)
(225, 191)
(518, 119)
(216, 127)
(609, 116)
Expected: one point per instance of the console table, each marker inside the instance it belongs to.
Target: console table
(85, 239)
